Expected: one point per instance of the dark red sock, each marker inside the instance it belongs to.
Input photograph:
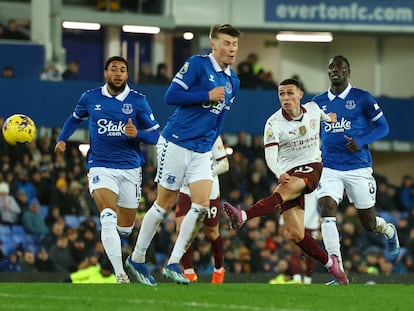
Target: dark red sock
(295, 263)
(217, 247)
(311, 247)
(310, 262)
(187, 259)
(265, 206)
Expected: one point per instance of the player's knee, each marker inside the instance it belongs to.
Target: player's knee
(125, 231)
(108, 218)
(295, 235)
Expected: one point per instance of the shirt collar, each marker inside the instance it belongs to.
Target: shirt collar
(288, 117)
(344, 94)
(121, 96)
(217, 67)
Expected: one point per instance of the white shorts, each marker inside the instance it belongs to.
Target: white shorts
(359, 184)
(125, 183)
(215, 189)
(312, 216)
(178, 165)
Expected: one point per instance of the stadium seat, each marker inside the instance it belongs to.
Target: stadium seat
(5, 230)
(44, 210)
(72, 221)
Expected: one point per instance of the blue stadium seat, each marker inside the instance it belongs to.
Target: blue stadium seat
(5, 230)
(72, 221)
(44, 210)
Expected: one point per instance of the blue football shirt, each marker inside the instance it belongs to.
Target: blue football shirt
(196, 122)
(356, 111)
(107, 116)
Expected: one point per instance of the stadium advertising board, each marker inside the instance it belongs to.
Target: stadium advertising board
(361, 12)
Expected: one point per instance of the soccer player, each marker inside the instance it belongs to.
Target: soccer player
(203, 90)
(291, 139)
(119, 119)
(347, 158)
(311, 222)
(211, 220)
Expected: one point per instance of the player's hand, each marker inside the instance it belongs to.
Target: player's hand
(216, 94)
(60, 146)
(130, 129)
(351, 145)
(333, 117)
(284, 178)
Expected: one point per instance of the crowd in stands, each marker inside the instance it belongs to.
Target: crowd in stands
(49, 222)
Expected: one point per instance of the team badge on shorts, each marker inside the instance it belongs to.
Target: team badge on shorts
(170, 179)
(96, 179)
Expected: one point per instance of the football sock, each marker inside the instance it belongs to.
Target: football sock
(265, 206)
(330, 236)
(295, 263)
(111, 240)
(189, 228)
(311, 247)
(217, 247)
(149, 225)
(187, 259)
(383, 228)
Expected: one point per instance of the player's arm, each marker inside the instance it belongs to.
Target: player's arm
(68, 129)
(380, 130)
(177, 95)
(271, 153)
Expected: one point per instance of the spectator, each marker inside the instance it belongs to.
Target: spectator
(247, 78)
(28, 264)
(161, 77)
(10, 211)
(33, 222)
(11, 264)
(13, 33)
(43, 263)
(72, 71)
(146, 76)
(51, 73)
(405, 193)
(8, 72)
(60, 198)
(24, 183)
(61, 255)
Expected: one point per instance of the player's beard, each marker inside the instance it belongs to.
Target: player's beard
(117, 89)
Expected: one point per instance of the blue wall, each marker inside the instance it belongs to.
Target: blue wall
(50, 103)
(27, 59)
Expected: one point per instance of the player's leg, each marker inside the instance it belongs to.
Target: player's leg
(181, 209)
(211, 226)
(198, 174)
(295, 256)
(312, 225)
(361, 189)
(329, 194)
(267, 206)
(293, 217)
(105, 191)
(169, 177)
(309, 261)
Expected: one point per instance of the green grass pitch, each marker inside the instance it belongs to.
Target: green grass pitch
(200, 297)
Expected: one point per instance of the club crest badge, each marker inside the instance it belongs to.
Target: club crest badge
(127, 108)
(350, 104)
(302, 130)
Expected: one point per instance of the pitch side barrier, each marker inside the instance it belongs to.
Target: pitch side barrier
(50, 103)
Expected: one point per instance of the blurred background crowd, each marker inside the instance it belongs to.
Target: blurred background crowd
(49, 222)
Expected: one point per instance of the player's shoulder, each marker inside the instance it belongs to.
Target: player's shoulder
(136, 94)
(319, 97)
(359, 92)
(92, 93)
(312, 106)
(274, 117)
